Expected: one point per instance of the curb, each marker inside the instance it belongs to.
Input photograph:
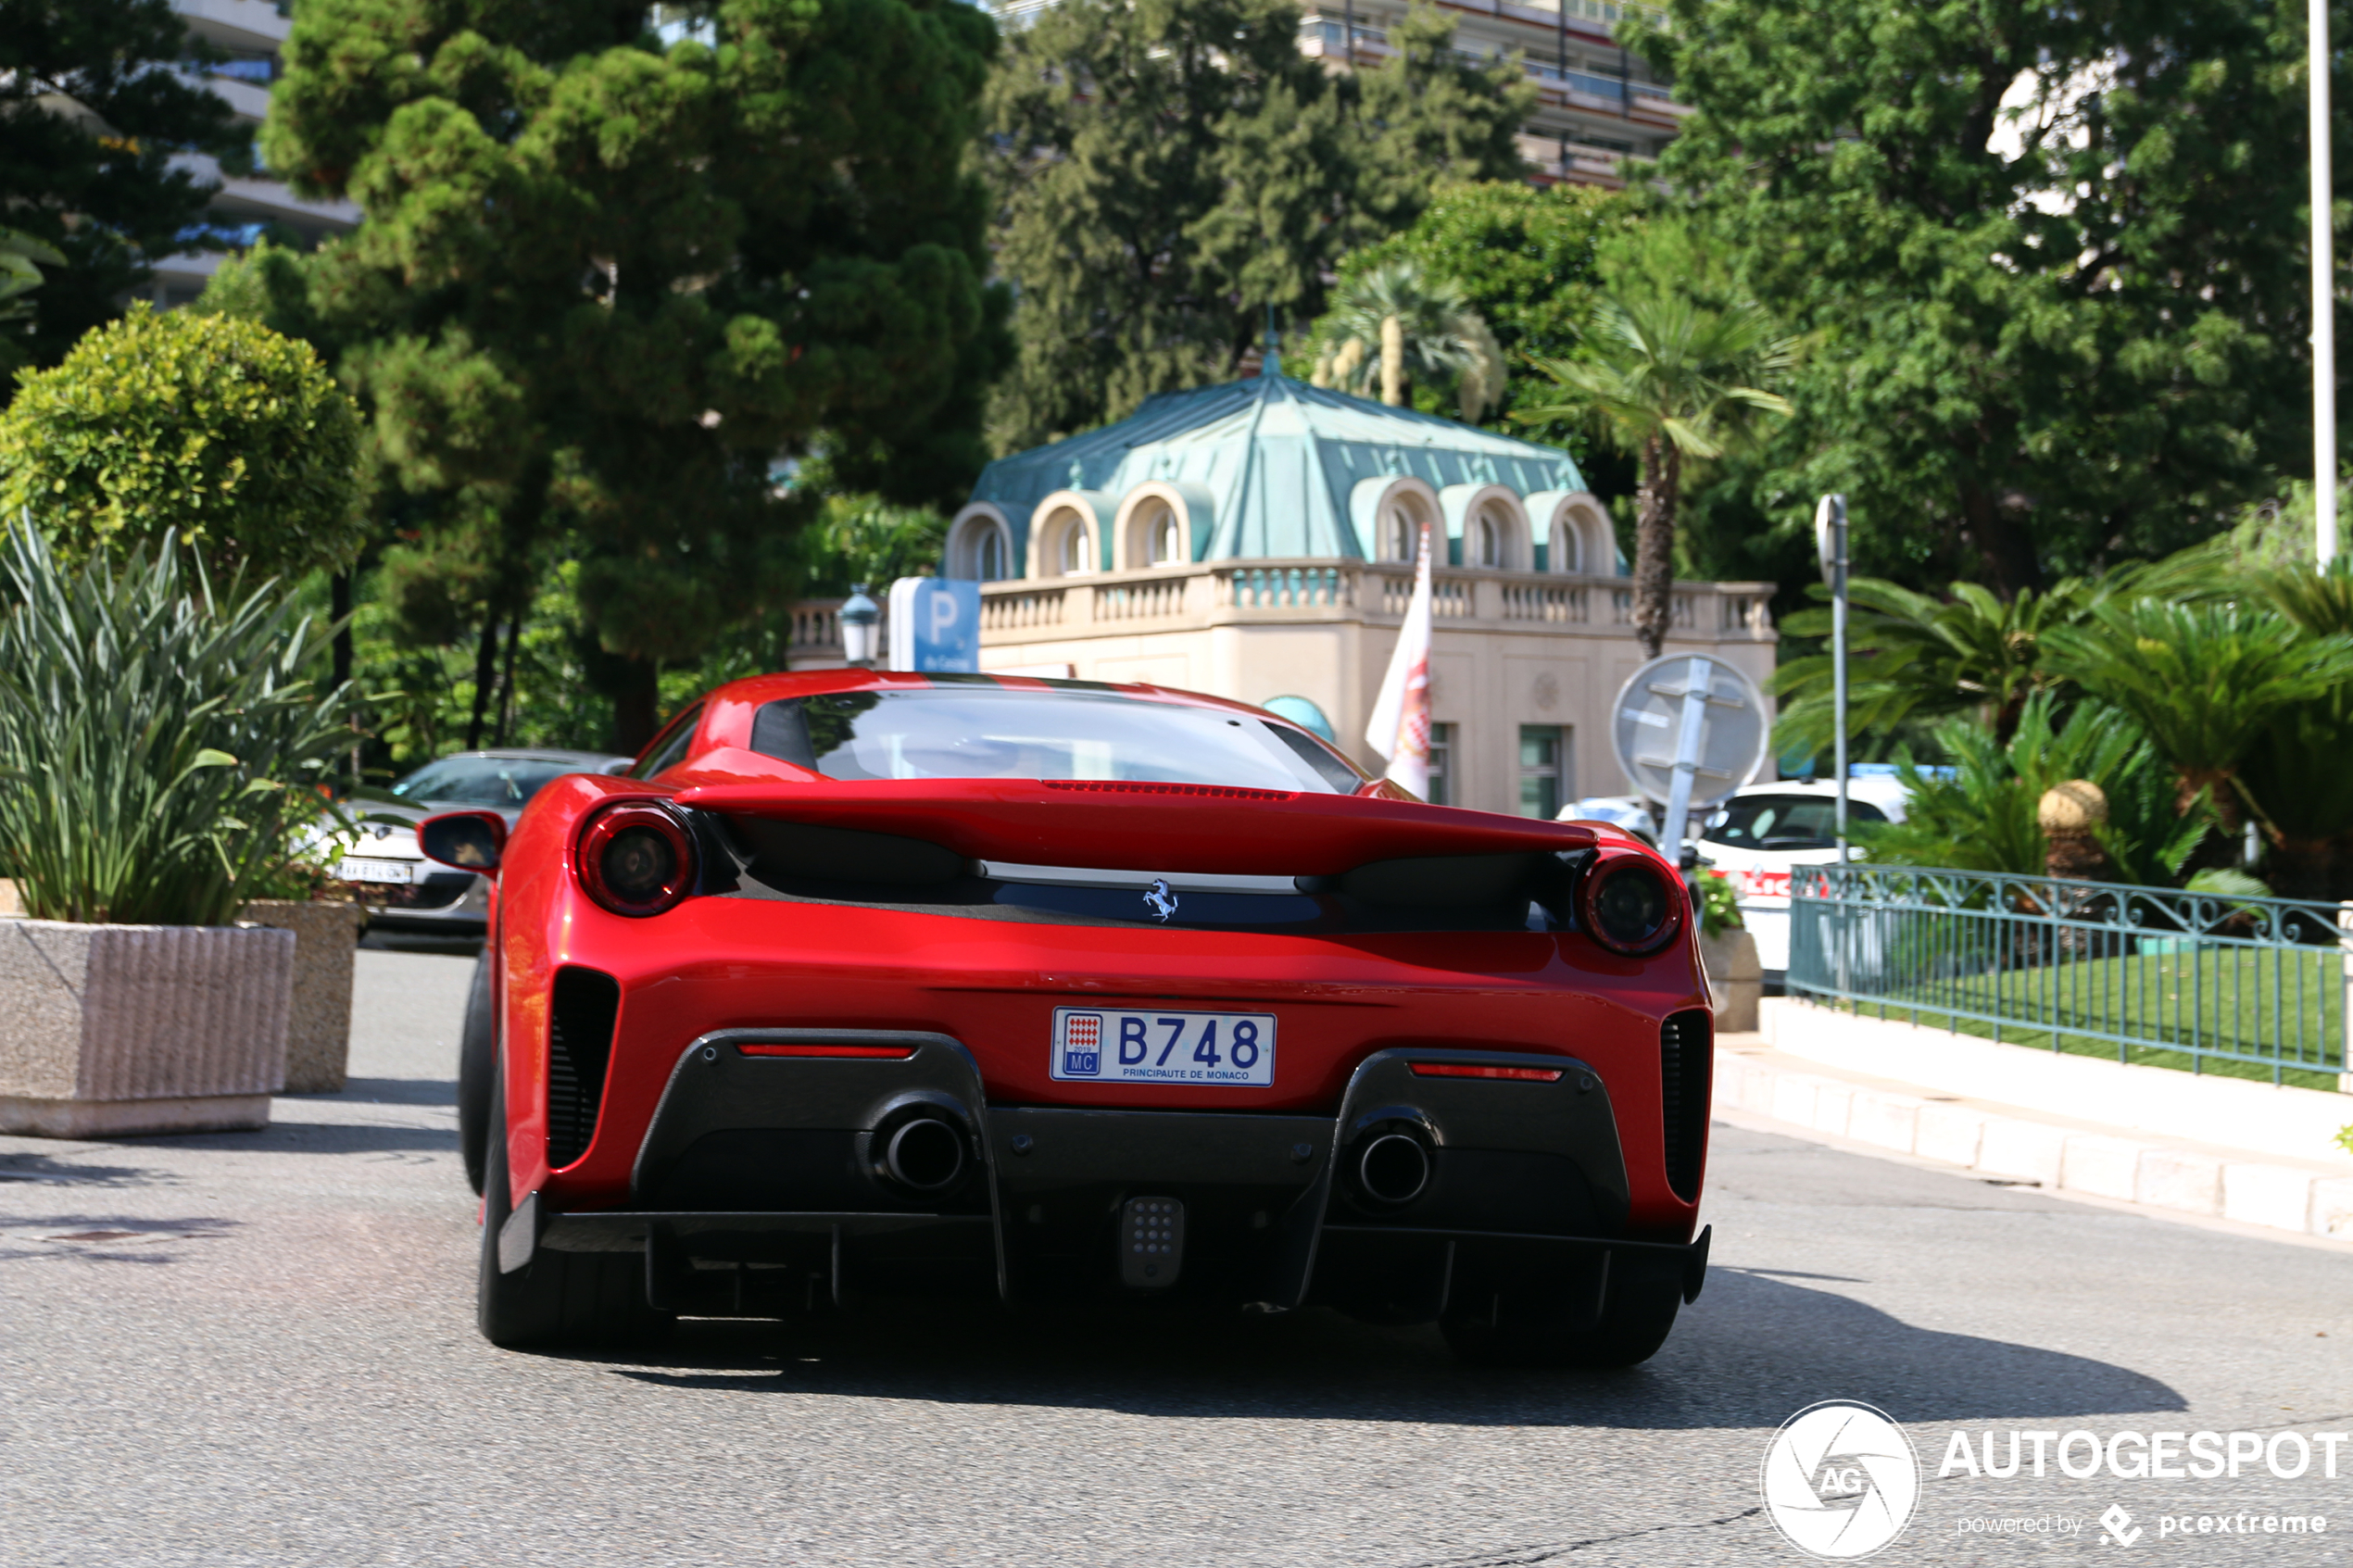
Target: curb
(2052, 1155)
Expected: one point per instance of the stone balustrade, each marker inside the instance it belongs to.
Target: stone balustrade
(1373, 593)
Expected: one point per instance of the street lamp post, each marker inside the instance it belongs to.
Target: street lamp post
(2323, 294)
(1830, 540)
(860, 617)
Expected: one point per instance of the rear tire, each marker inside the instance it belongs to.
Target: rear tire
(1527, 1328)
(477, 1059)
(587, 1299)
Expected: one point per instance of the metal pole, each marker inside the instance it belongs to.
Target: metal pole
(2323, 295)
(1691, 736)
(1838, 654)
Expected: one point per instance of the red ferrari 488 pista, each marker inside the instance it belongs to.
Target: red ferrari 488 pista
(865, 983)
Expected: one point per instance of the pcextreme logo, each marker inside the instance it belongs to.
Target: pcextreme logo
(1840, 1480)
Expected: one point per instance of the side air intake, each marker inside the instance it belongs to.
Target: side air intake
(1686, 1056)
(580, 1025)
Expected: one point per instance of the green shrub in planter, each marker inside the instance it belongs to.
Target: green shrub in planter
(159, 745)
(218, 429)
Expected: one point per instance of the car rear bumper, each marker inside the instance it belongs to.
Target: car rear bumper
(771, 1178)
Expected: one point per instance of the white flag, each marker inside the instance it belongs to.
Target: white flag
(1400, 727)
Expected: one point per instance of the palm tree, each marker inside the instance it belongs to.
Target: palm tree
(2300, 773)
(1394, 326)
(1672, 379)
(1923, 658)
(2205, 681)
(1982, 812)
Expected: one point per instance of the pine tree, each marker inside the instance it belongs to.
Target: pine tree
(91, 120)
(607, 277)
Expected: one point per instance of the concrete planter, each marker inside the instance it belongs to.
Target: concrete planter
(109, 1030)
(1735, 980)
(318, 1029)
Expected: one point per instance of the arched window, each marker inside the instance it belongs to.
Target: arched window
(979, 548)
(1402, 529)
(1568, 549)
(1151, 532)
(1490, 541)
(1075, 557)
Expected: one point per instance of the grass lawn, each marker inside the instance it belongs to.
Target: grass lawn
(2258, 1004)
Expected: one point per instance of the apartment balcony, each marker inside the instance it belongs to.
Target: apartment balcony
(1627, 97)
(242, 24)
(264, 200)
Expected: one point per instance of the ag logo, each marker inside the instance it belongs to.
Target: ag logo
(1840, 1480)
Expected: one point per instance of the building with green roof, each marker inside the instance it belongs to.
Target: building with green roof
(1257, 540)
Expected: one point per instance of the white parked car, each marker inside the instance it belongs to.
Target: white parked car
(1765, 830)
(391, 876)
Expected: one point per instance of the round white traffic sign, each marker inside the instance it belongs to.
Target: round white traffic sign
(1691, 703)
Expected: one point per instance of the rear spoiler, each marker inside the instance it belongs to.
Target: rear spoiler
(1165, 827)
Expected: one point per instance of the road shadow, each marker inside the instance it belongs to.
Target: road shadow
(391, 1091)
(320, 1137)
(430, 944)
(1754, 1350)
(107, 1238)
(29, 1165)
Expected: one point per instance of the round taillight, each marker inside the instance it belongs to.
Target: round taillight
(1628, 905)
(637, 859)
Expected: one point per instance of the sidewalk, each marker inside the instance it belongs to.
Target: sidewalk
(2272, 1166)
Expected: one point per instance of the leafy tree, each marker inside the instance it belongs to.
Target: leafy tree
(605, 279)
(865, 539)
(211, 428)
(1397, 329)
(1170, 171)
(2053, 253)
(1673, 374)
(1523, 258)
(91, 119)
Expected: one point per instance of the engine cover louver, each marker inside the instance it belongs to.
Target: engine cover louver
(580, 1024)
(1686, 1057)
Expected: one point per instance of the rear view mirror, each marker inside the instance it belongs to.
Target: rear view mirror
(472, 841)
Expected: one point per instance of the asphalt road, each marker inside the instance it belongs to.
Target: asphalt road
(259, 1350)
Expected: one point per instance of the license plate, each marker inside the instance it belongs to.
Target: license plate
(375, 870)
(1112, 1045)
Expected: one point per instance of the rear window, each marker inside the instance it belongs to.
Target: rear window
(1786, 822)
(976, 732)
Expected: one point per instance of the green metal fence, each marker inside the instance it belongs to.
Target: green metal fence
(2250, 987)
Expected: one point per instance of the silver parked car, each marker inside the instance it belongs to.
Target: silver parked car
(402, 890)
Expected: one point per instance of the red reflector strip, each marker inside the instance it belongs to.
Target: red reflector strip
(896, 1053)
(1474, 1070)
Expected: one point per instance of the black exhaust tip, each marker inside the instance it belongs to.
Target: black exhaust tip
(924, 1155)
(1393, 1169)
